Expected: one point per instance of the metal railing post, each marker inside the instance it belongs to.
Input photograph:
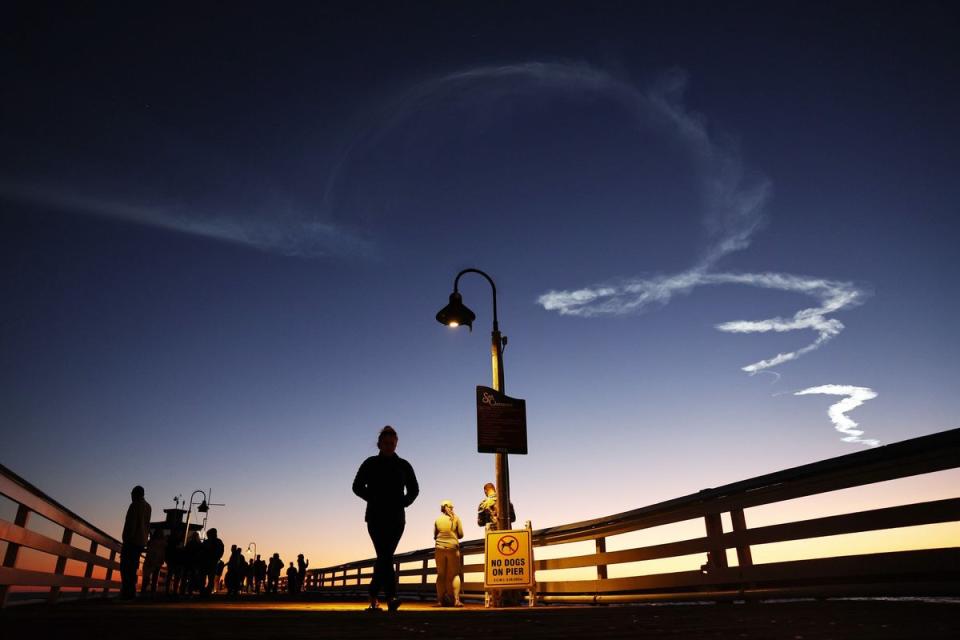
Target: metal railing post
(113, 560)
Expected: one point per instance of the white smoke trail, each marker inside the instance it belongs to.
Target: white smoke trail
(635, 296)
(281, 231)
(855, 396)
(733, 197)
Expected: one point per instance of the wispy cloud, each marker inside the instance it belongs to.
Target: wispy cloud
(637, 295)
(278, 230)
(855, 396)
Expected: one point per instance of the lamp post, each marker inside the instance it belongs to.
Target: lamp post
(456, 314)
(254, 545)
(202, 508)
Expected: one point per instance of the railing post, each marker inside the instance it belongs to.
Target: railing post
(13, 550)
(113, 560)
(718, 554)
(88, 573)
(359, 571)
(744, 557)
(59, 569)
(601, 568)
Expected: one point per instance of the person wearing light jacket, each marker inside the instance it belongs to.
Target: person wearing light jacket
(447, 532)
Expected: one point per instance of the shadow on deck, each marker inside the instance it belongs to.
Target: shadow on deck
(255, 618)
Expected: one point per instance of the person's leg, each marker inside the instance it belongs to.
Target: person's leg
(129, 563)
(438, 561)
(373, 588)
(393, 535)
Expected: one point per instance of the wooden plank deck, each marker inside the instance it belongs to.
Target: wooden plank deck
(252, 618)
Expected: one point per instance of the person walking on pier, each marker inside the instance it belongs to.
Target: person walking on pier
(136, 526)
(447, 532)
(293, 586)
(388, 485)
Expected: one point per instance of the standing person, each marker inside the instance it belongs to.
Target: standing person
(447, 532)
(487, 509)
(273, 573)
(292, 586)
(301, 570)
(153, 562)
(388, 484)
(259, 573)
(212, 554)
(235, 567)
(136, 526)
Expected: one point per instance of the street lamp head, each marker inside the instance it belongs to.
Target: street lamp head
(203, 508)
(456, 313)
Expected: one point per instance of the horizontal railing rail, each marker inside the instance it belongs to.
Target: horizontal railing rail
(908, 572)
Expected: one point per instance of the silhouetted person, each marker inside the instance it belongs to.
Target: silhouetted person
(221, 565)
(190, 580)
(388, 484)
(136, 526)
(235, 566)
(259, 573)
(248, 577)
(292, 586)
(211, 555)
(301, 571)
(153, 562)
(487, 509)
(273, 573)
(174, 559)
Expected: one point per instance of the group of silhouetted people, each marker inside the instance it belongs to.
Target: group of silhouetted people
(386, 482)
(194, 567)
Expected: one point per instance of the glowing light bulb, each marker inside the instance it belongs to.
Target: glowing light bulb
(454, 324)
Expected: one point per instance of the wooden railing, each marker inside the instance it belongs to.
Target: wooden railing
(910, 572)
(29, 501)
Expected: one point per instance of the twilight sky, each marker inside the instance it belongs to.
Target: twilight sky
(225, 231)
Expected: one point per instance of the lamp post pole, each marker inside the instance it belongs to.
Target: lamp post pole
(203, 507)
(454, 315)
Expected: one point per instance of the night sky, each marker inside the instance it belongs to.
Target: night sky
(225, 230)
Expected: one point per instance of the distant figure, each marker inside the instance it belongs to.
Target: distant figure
(487, 510)
(292, 586)
(136, 526)
(218, 584)
(191, 564)
(447, 532)
(248, 585)
(301, 571)
(259, 573)
(273, 573)
(235, 567)
(153, 562)
(388, 484)
(211, 554)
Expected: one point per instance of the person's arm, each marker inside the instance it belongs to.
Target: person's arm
(459, 528)
(436, 531)
(413, 487)
(360, 482)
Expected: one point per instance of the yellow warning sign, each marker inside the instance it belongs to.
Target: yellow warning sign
(508, 559)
